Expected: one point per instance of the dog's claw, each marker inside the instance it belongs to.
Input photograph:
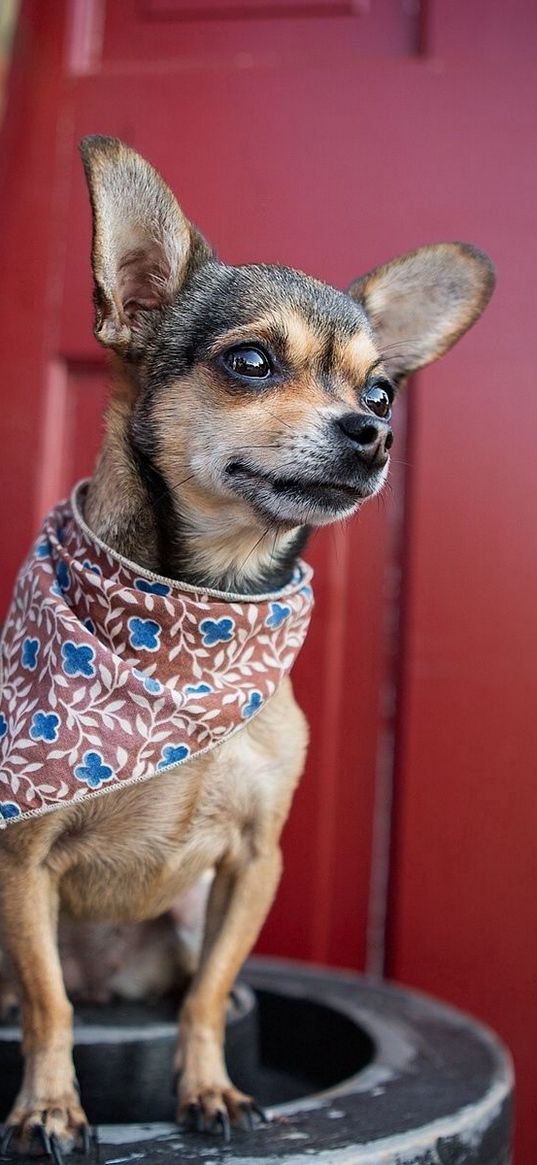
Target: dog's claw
(260, 1112)
(251, 1109)
(35, 1136)
(55, 1150)
(7, 1138)
(248, 1116)
(43, 1136)
(85, 1137)
(221, 1121)
(217, 1111)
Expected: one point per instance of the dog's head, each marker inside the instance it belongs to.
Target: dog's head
(261, 391)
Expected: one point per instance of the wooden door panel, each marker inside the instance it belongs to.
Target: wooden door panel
(234, 9)
(71, 428)
(29, 311)
(188, 31)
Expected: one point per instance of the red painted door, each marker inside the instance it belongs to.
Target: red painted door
(464, 873)
(331, 136)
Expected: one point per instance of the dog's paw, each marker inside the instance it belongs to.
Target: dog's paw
(49, 1127)
(217, 1109)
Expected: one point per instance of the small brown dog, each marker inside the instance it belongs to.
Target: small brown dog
(251, 404)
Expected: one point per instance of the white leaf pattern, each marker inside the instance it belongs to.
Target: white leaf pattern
(108, 672)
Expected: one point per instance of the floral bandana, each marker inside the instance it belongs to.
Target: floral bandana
(111, 674)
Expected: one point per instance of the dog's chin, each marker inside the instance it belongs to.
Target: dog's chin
(301, 501)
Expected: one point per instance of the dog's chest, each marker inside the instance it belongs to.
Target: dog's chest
(133, 852)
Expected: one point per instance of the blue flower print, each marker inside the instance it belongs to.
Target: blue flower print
(8, 810)
(173, 753)
(151, 588)
(42, 550)
(144, 633)
(93, 771)
(45, 726)
(89, 625)
(253, 705)
(216, 631)
(62, 576)
(77, 661)
(278, 614)
(306, 591)
(92, 566)
(30, 649)
(150, 684)
(3, 725)
(198, 689)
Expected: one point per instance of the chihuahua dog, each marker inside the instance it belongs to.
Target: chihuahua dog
(250, 406)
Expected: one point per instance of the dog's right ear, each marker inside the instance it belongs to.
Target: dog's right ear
(143, 246)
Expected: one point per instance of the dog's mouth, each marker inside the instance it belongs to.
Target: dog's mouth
(298, 498)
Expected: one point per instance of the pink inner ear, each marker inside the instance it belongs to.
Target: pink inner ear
(142, 279)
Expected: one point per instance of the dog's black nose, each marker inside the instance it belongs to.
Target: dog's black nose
(371, 437)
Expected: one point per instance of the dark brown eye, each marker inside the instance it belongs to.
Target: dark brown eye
(252, 363)
(378, 399)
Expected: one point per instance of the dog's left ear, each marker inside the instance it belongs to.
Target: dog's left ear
(143, 245)
(421, 304)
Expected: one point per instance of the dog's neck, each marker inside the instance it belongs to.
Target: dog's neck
(130, 507)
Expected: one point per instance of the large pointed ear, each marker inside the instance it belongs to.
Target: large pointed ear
(421, 304)
(143, 245)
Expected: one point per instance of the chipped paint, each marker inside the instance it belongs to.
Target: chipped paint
(130, 1134)
(467, 1125)
(407, 1033)
(120, 1160)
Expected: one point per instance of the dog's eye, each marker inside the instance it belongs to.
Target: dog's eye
(247, 361)
(378, 399)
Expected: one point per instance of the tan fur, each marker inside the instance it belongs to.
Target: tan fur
(128, 855)
(303, 343)
(141, 240)
(416, 309)
(116, 491)
(355, 357)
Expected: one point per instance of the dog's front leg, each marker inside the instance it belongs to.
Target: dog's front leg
(47, 1109)
(238, 904)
